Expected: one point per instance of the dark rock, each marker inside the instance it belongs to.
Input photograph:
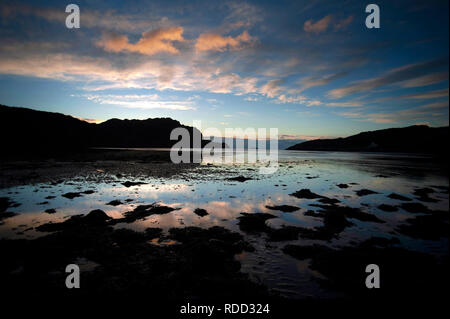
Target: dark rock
(330, 201)
(415, 208)
(4, 215)
(349, 212)
(284, 208)
(254, 222)
(71, 195)
(364, 192)
(388, 208)
(342, 186)
(423, 194)
(152, 232)
(143, 211)
(306, 193)
(50, 211)
(429, 227)
(285, 233)
(5, 203)
(380, 242)
(399, 197)
(201, 212)
(344, 268)
(313, 213)
(129, 184)
(239, 179)
(114, 203)
(96, 218)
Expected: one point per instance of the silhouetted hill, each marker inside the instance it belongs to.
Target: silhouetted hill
(411, 139)
(32, 132)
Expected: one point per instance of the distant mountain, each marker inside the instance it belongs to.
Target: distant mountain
(411, 139)
(29, 131)
(284, 144)
(244, 143)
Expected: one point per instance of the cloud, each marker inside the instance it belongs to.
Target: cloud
(429, 111)
(105, 20)
(345, 104)
(418, 96)
(309, 82)
(216, 42)
(409, 72)
(152, 42)
(150, 101)
(242, 15)
(319, 26)
(343, 23)
(291, 99)
(425, 80)
(272, 88)
(314, 103)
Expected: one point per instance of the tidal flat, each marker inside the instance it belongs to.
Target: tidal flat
(141, 224)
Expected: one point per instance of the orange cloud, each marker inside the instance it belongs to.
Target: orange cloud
(343, 23)
(319, 26)
(152, 42)
(216, 42)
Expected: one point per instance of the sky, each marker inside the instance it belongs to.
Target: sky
(309, 68)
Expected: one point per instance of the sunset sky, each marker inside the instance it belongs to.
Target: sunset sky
(310, 68)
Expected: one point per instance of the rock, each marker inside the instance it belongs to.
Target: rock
(153, 232)
(415, 208)
(50, 211)
(254, 222)
(5, 203)
(429, 227)
(114, 203)
(342, 186)
(201, 212)
(330, 201)
(380, 242)
(143, 211)
(388, 208)
(285, 233)
(239, 179)
(96, 218)
(364, 192)
(129, 184)
(4, 215)
(341, 268)
(306, 193)
(349, 212)
(423, 194)
(284, 208)
(71, 195)
(399, 197)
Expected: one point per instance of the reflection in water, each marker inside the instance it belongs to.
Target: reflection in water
(207, 187)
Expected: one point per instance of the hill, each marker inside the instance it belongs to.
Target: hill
(27, 131)
(411, 139)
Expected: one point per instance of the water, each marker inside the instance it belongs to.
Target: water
(207, 187)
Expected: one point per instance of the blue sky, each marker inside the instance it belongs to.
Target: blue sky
(309, 68)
